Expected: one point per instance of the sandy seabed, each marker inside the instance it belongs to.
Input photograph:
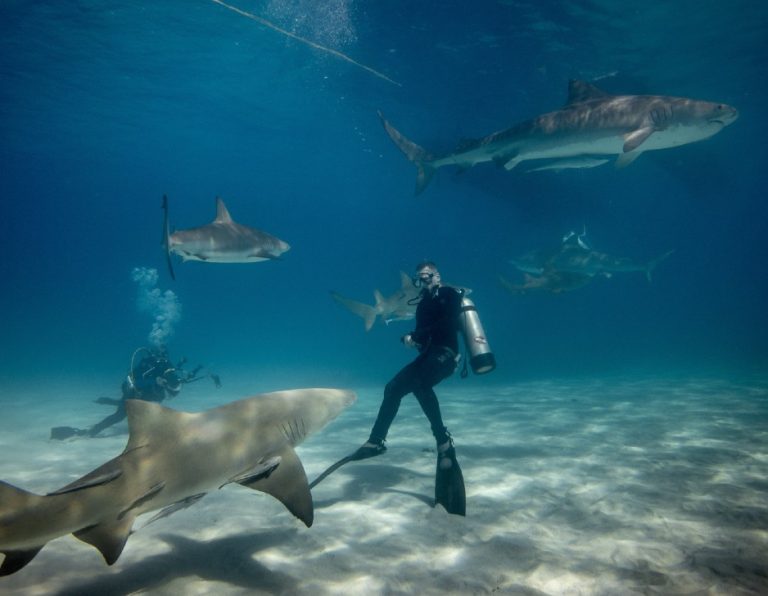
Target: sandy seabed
(601, 487)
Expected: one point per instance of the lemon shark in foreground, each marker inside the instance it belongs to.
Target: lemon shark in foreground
(173, 458)
(591, 124)
(221, 241)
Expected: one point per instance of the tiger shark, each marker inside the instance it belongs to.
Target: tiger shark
(221, 241)
(592, 124)
(172, 459)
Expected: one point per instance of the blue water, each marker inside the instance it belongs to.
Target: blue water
(107, 105)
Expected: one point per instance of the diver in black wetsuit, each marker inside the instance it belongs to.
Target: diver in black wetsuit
(435, 336)
(153, 378)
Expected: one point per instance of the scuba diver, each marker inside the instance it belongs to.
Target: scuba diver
(152, 378)
(439, 318)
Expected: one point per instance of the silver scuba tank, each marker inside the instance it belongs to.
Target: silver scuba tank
(479, 352)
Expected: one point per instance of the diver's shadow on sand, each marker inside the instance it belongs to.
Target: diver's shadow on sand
(366, 479)
(229, 560)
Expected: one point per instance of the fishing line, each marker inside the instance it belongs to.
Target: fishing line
(312, 44)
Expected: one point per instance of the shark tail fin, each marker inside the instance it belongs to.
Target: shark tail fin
(419, 156)
(167, 236)
(652, 265)
(368, 313)
(508, 285)
(14, 499)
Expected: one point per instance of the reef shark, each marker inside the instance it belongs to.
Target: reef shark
(221, 241)
(172, 458)
(575, 256)
(399, 306)
(590, 125)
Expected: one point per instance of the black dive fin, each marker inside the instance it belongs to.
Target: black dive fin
(60, 433)
(449, 486)
(361, 453)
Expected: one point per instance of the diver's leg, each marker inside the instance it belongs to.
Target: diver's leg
(394, 392)
(401, 384)
(433, 369)
(114, 418)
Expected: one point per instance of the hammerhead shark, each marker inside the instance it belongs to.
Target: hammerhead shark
(590, 125)
(173, 458)
(221, 241)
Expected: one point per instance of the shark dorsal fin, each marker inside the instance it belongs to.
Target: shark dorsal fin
(406, 283)
(150, 422)
(580, 91)
(222, 215)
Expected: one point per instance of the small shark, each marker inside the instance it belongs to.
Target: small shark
(400, 306)
(171, 459)
(575, 256)
(591, 124)
(221, 241)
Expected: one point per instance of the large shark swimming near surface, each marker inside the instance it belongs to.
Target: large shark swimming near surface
(592, 125)
(172, 459)
(221, 241)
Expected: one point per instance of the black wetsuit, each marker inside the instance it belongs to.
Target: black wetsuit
(437, 320)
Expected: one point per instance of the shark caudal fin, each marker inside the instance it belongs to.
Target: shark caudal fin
(167, 237)
(416, 154)
(652, 265)
(368, 313)
(13, 500)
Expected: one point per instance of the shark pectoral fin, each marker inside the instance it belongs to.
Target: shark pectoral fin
(108, 538)
(636, 138)
(288, 484)
(509, 162)
(623, 160)
(17, 559)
